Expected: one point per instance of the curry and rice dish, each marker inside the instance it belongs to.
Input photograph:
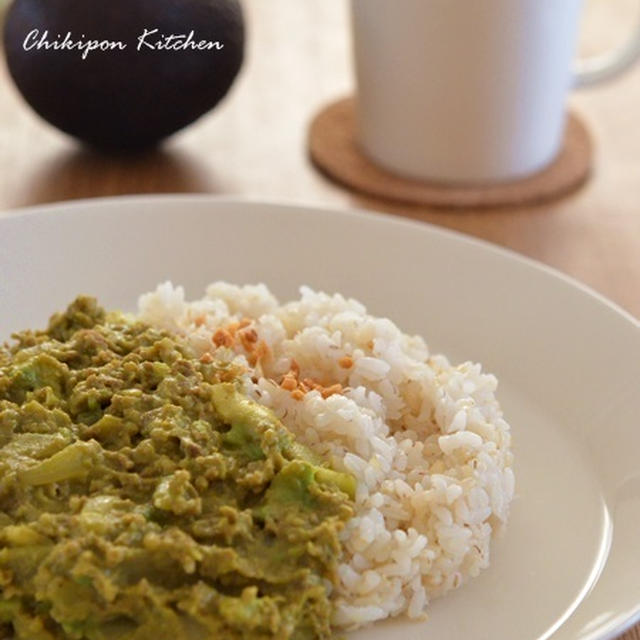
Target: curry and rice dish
(233, 468)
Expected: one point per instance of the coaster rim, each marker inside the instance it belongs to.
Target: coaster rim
(334, 150)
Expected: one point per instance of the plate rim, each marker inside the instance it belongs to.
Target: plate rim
(355, 212)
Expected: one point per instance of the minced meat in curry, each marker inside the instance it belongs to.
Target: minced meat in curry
(143, 496)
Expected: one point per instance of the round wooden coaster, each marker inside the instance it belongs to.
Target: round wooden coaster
(334, 150)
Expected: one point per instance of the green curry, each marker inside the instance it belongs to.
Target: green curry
(144, 496)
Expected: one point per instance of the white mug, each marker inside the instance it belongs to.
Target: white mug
(469, 91)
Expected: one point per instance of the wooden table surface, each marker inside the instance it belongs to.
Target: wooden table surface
(255, 144)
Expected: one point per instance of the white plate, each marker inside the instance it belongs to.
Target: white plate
(567, 360)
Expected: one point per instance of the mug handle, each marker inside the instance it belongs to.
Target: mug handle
(608, 65)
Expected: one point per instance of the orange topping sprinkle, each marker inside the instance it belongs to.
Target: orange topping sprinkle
(299, 388)
(258, 352)
(289, 383)
(248, 337)
(222, 337)
(346, 362)
(329, 391)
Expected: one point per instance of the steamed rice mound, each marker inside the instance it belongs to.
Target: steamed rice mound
(426, 440)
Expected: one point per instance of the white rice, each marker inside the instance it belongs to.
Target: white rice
(426, 441)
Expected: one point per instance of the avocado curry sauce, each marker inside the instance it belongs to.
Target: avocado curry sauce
(143, 495)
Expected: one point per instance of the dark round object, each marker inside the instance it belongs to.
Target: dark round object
(123, 98)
